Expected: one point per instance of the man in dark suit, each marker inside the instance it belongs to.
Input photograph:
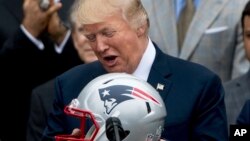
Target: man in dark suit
(117, 32)
(237, 91)
(244, 116)
(29, 55)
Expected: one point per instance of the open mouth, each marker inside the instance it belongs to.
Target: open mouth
(110, 60)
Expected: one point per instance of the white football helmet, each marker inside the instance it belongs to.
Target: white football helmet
(136, 103)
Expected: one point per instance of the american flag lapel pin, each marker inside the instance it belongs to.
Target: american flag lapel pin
(160, 86)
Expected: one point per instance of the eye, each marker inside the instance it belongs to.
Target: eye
(108, 33)
(91, 37)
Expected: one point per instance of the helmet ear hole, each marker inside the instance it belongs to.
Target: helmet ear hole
(148, 107)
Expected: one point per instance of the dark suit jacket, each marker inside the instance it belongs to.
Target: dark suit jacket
(237, 91)
(244, 116)
(41, 105)
(193, 95)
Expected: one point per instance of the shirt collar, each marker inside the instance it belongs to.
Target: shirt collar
(144, 67)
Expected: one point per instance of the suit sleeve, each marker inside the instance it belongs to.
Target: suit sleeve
(56, 119)
(36, 120)
(211, 122)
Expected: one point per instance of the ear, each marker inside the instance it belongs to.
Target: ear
(141, 30)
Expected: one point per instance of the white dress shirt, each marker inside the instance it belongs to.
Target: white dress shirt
(144, 67)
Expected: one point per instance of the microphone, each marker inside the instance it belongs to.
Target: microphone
(114, 130)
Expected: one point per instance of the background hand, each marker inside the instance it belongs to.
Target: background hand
(35, 19)
(56, 28)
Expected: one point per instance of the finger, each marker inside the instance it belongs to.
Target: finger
(76, 132)
(54, 8)
(26, 1)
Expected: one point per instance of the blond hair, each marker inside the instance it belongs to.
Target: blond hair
(94, 11)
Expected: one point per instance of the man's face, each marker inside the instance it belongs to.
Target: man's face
(115, 43)
(81, 45)
(246, 36)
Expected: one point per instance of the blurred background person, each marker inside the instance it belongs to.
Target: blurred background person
(237, 91)
(84, 50)
(202, 31)
(36, 49)
(43, 95)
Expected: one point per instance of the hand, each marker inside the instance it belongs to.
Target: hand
(35, 19)
(56, 29)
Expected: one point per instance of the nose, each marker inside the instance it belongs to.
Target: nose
(101, 43)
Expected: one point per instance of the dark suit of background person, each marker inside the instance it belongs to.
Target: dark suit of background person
(41, 105)
(244, 116)
(214, 37)
(237, 91)
(24, 66)
(196, 80)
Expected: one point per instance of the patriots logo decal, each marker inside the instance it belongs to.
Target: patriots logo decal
(114, 95)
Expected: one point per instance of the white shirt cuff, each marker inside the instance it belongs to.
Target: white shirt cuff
(36, 41)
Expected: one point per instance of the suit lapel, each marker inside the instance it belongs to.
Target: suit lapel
(158, 75)
(157, 81)
(202, 20)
